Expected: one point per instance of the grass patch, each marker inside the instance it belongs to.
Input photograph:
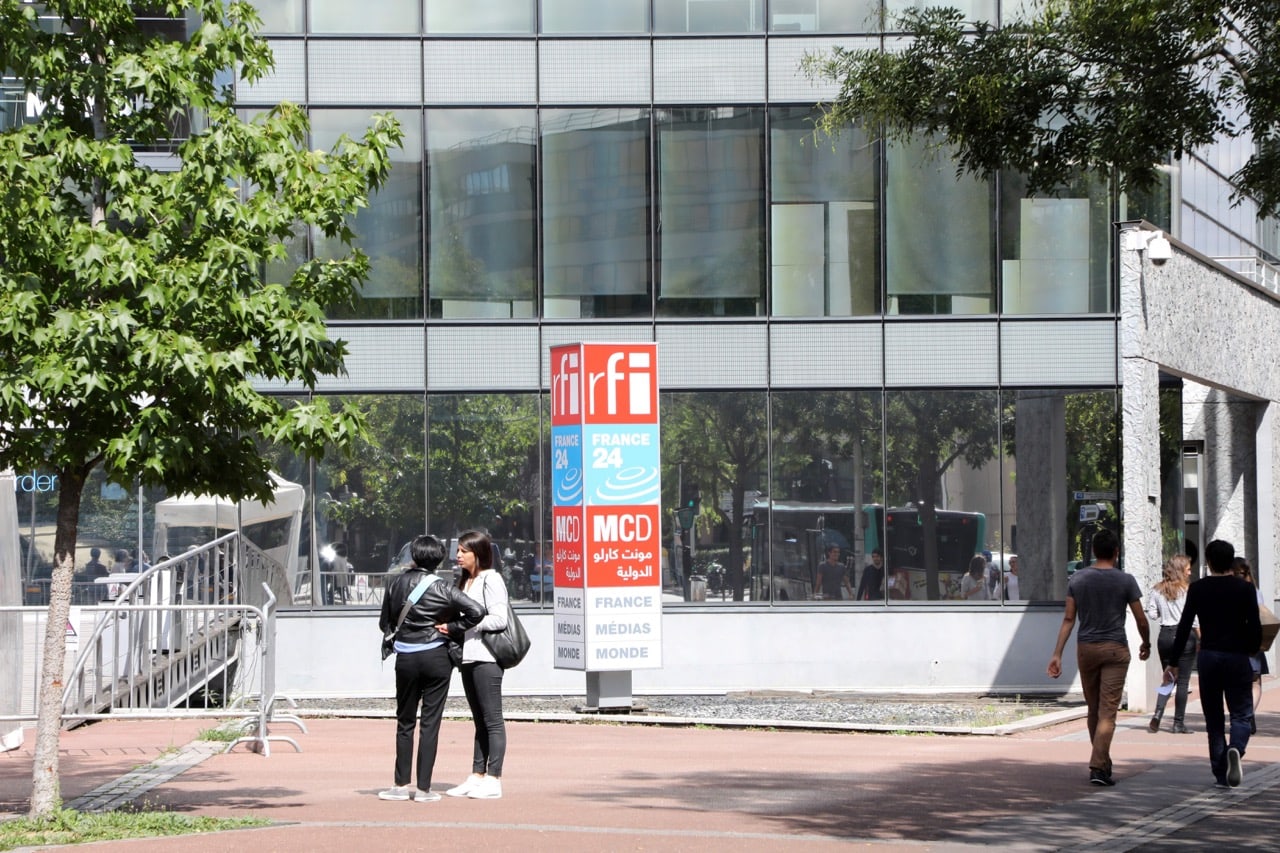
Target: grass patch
(72, 827)
(225, 733)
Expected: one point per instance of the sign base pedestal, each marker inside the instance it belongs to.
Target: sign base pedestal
(609, 691)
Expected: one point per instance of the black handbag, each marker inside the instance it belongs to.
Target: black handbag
(511, 644)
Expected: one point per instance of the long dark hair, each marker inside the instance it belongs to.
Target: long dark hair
(478, 543)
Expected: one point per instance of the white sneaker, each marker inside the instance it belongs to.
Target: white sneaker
(399, 792)
(488, 788)
(467, 786)
(421, 796)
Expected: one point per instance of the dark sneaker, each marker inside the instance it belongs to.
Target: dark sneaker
(1154, 725)
(1235, 773)
(1180, 729)
(1098, 777)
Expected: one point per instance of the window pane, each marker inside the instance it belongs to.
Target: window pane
(280, 16)
(481, 167)
(491, 16)
(939, 241)
(367, 506)
(595, 187)
(823, 16)
(708, 16)
(389, 230)
(1056, 248)
(826, 226)
(594, 16)
(711, 212)
(826, 475)
(483, 473)
(972, 10)
(1061, 442)
(942, 479)
(713, 453)
(378, 16)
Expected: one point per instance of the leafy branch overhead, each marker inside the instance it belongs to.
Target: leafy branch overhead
(134, 319)
(1109, 86)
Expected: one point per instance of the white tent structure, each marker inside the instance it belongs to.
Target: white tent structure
(207, 512)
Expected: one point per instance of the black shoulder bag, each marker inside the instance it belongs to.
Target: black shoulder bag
(511, 644)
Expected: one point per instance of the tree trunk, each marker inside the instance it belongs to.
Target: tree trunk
(736, 578)
(927, 485)
(46, 796)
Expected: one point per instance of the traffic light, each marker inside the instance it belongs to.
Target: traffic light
(688, 509)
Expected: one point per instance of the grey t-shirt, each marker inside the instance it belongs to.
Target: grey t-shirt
(1102, 598)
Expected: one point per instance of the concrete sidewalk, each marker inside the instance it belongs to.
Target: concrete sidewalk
(622, 786)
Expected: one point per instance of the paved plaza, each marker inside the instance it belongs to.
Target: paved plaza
(602, 785)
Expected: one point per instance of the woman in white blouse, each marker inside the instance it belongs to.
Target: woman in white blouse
(1164, 608)
(481, 676)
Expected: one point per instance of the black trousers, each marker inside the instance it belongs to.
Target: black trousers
(482, 682)
(420, 677)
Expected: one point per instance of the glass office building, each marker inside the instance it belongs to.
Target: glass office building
(858, 350)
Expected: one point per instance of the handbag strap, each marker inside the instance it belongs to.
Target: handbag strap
(414, 595)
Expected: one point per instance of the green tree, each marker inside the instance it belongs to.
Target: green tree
(134, 322)
(1106, 86)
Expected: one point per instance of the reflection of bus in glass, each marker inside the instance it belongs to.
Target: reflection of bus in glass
(960, 536)
(803, 530)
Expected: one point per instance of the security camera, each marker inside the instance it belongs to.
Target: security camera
(1158, 249)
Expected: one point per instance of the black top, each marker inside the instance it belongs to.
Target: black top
(441, 603)
(1228, 610)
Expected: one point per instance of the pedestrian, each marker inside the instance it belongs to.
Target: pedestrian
(1164, 606)
(1230, 631)
(871, 587)
(481, 676)
(1098, 596)
(424, 611)
(1258, 660)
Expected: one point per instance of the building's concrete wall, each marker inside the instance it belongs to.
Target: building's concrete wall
(1189, 317)
(713, 650)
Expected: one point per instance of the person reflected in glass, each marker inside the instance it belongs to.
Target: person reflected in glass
(1164, 608)
(871, 586)
(833, 577)
(973, 586)
(1011, 582)
(481, 676)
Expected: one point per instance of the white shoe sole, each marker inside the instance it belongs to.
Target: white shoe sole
(1235, 773)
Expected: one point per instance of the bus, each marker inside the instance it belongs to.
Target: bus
(785, 558)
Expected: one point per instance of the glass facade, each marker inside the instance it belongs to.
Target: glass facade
(389, 230)
(482, 167)
(862, 354)
(596, 213)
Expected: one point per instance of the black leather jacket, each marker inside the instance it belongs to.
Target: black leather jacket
(440, 603)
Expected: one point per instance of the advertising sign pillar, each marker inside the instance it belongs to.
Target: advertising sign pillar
(606, 530)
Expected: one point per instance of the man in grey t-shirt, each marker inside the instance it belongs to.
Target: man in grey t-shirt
(1099, 595)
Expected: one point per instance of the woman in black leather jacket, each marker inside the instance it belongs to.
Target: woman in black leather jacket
(423, 662)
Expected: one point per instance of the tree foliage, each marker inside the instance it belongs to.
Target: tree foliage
(135, 327)
(1110, 86)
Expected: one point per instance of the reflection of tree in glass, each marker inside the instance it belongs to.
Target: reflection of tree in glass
(927, 432)
(720, 439)
(482, 459)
